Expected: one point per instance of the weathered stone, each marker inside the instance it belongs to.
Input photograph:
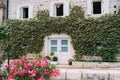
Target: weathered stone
(73, 74)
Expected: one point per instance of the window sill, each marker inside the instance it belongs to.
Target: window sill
(95, 15)
(58, 16)
(24, 18)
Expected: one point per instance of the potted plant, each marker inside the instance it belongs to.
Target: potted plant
(70, 61)
(53, 59)
(52, 54)
(48, 57)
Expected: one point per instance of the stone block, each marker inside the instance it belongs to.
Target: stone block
(95, 75)
(73, 74)
(114, 75)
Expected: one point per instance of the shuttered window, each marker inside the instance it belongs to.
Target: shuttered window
(59, 9)
(24, 12)
(98, 7)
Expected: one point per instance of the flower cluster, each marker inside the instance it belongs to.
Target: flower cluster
(30, 69)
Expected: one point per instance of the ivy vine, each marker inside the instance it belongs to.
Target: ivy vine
(90, 36)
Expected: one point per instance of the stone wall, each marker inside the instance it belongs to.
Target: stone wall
(45, 5)
(88, 74)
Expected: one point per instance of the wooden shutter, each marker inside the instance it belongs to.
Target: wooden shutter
(106, 8)
(18, 13)
(89, 7)
(30, 11)
(66, 8)
(51, 11)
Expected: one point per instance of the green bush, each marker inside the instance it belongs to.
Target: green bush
(85, 33)
(109, 55)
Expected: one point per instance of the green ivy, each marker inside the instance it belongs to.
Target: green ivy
(87, 34)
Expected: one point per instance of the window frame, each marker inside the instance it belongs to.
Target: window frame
(93, 7)
(55, 7)
(19, 14)
(22, 12)
(66, 8)
(105, 8)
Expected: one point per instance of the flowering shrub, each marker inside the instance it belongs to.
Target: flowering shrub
(30, 69)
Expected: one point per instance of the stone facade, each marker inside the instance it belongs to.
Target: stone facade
(36, 5)
(27, 9)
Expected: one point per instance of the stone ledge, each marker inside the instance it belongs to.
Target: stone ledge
(97, 64)
(91, 65)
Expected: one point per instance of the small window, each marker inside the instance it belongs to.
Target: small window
(114, 12)
(97, 7)
(59, 9)
(25, 12)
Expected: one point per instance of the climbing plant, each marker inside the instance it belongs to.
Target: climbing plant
(90, 36)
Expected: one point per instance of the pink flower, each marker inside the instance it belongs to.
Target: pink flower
(28, 65)
(40, 78)
(54, 73)
(35, 62)
(22, 72)
(32, 69)
(27, 58)
(23, 61)
(10, 77)
(44, 62)
(32, 73)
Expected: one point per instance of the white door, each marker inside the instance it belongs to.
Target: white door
(61, 49)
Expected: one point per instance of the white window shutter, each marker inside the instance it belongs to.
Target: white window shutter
(106, 7)
(66, 8)
(51, 11)
(30, 11)
(18, 13)
(89, 7)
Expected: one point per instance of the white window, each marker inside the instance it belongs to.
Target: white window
(59, 45)
(24, 12)
(59, 8)
(98, 7)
